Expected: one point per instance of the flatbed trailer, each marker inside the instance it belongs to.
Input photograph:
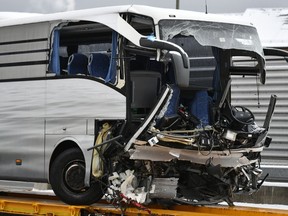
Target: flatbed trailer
(24, 204)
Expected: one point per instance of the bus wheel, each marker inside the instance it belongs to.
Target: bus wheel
(67, 174)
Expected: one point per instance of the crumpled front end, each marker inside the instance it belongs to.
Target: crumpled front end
(193, 146)
(184, 159)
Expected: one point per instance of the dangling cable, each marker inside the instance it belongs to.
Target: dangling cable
(258, 91)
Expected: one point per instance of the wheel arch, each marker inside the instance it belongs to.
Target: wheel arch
(61, 147)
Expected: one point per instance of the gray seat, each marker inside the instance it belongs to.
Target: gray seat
(145, 88)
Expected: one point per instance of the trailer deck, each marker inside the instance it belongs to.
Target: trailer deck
(27, 204)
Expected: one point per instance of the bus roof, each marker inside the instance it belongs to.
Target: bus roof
(110, 17)
(156, 13)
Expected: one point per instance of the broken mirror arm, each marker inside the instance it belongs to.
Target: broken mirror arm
(165, 45)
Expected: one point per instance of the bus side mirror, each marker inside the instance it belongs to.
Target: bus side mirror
(263, 76)
(256, 69)
(181, 73)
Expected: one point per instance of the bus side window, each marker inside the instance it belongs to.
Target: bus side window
(85, 48)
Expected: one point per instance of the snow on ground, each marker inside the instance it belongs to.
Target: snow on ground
(275, 184)
(258, 205)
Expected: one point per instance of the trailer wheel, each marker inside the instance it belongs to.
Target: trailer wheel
(67, 179)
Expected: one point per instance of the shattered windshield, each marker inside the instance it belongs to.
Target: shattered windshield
(222, 35)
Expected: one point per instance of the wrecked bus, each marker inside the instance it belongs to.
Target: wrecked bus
(132, 101)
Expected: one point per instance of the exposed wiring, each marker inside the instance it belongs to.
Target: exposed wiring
(258, 91)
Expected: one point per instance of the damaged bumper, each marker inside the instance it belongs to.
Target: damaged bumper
(233, 158)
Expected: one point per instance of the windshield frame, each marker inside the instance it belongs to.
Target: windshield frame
(216, 34)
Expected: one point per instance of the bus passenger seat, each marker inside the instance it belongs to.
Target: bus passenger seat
(200, 107)
(98, 65)
(77, 64)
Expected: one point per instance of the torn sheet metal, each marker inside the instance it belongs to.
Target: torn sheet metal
(233, 158)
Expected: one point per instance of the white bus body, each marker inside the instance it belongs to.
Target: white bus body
(148, 86)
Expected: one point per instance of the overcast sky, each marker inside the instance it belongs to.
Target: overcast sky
(214, 6)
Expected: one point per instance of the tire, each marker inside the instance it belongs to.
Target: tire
(67, 179)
